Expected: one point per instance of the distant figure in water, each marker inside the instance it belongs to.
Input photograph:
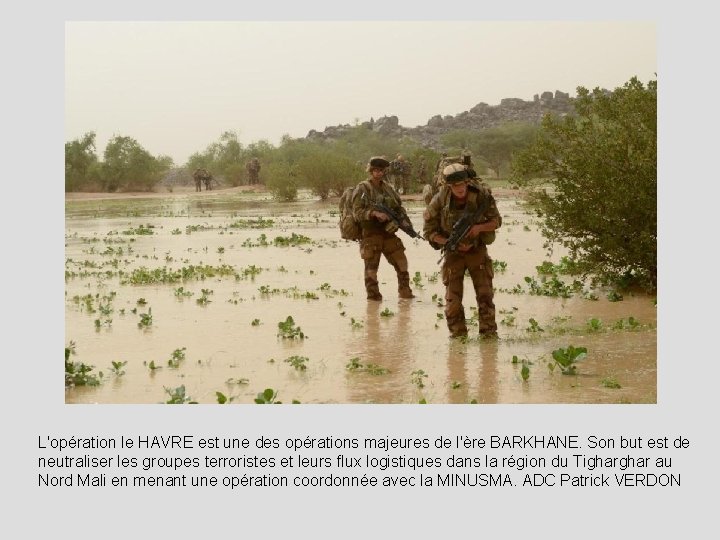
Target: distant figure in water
(197, 176)
(202, 176)
(253, 170)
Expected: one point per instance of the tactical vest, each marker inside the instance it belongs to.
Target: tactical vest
(385, 195)
(450, 214)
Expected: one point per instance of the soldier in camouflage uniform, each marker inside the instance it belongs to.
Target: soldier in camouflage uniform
(253, 170)
(445, 208)
(402, 176)
(207, 179)
(422, 171)
(378, 230)
(198, 177)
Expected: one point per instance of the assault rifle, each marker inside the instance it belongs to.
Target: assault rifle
(405, 227)
(462, 227)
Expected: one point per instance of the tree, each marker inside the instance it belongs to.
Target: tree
(496, 146)
(325, 171)
(460, 139)
(493, 146)
(602, 164)
(128, 166)
(281, 181)
(80, 161)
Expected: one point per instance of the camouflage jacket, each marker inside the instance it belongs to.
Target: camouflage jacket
(442, 212)
(401, 168)
(363, 197)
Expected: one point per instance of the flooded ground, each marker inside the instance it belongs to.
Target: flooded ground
(186, 291)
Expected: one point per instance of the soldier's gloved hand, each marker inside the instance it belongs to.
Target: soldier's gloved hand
(391, 227)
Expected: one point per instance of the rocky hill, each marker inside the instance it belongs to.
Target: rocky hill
(481, 116)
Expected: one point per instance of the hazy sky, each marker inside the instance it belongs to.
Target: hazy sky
(176, 86)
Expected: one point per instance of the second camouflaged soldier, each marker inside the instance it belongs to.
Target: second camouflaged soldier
(378, 230)
(461, 197)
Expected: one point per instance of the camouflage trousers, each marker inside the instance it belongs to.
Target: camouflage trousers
(479, 265)
(371, 248)
(402, 183)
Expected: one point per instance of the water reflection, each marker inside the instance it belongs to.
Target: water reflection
(384, 344)
(472, 371)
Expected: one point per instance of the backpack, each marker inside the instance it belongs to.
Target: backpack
(349, 228)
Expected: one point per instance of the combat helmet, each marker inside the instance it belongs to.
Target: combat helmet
(455, 172)
(377, 162)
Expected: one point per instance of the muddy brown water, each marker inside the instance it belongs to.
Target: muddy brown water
(231, 343)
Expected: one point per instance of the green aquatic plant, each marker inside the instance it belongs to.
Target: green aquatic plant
(147, 276)
(250, 271)
(177, 356)
(355, 324)
(610, 382)
(204, 297)
(524, 366)
(177, 396)
(152, 366)
(566, 358)
(355, 366)
(288, 330)
(375, 369)
(417, 378)
(292, 240)
(298, 362)
(141, 230)
(222, 399)
(146, 319)
(117, 368)
(267, 397)
(257, 223)
(180, 292)
(499, 267)
(525, 372)
(594, 325)
(631, 323)
(78, 373)
(534, 326)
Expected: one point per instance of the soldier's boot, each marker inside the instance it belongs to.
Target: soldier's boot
(456, 324)
(486, 317)
(457, 331)
(374, 295)
(404, 290)
(372, 288)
